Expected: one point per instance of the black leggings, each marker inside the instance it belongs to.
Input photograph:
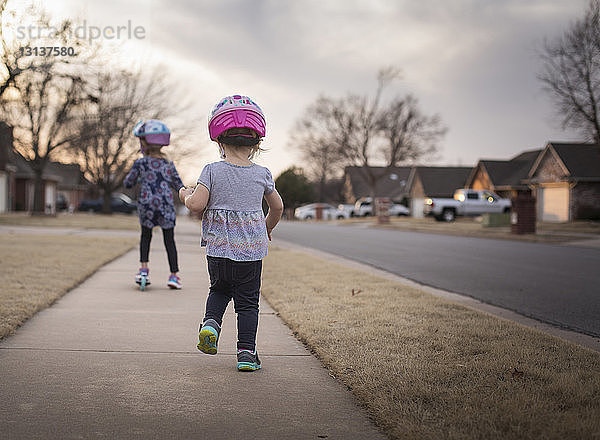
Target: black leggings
(168, 238)
(240, 281)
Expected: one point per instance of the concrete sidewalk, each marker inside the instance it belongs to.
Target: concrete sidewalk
(109, 361)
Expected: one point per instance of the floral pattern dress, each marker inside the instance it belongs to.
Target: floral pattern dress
(155, 200)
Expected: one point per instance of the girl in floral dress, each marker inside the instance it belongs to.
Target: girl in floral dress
(156, 176)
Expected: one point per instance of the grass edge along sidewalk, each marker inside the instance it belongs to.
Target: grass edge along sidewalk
(79, 220)
(39, 269)
(426, 367)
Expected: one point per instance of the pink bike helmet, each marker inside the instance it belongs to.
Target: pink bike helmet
(154, 131)
(236, 111)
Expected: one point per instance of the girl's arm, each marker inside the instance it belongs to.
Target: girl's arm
(131, 178)
(175, 179)
(275, 210)
(194, 199)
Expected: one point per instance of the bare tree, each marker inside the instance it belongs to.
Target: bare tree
(39, 95)
(10, 58)
(361, 130)
(106, 148)
(409, 134)
(314, 135)
(43, 113)
(14, 58)
(357, 118)
(571, 73)
(337, 132)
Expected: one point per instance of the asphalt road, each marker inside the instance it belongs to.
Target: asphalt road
(557, 284)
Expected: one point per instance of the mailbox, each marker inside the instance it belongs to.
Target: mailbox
(523, 215)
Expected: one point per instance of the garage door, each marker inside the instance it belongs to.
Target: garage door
(555, 204)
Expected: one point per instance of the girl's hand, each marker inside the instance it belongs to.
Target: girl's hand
(269, 233)
(184, 192)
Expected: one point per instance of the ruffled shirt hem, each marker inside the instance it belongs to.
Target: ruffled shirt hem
(237, 235)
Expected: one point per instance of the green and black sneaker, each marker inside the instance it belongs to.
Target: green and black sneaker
(248, 360)
(209, 337)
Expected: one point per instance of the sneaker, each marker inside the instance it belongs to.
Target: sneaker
(174, 282)
(248, 360)
(209, 336)
(144, 272)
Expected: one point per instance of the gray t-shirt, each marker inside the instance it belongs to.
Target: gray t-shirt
(233, 225)
(236, 187)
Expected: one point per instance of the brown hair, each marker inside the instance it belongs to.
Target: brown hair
(153, 150)
(254, 150)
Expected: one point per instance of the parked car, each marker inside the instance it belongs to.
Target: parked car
(61, 202)
(399, 210)
(118, 203)
(467, 202)
(364, 207)
(308, 212)
(344, 211)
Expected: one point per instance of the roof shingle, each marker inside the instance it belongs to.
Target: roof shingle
(582, 160)
(442, 181)
(392, 183)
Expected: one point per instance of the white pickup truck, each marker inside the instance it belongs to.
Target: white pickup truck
(467, 202)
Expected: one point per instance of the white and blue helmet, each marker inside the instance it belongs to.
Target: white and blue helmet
(154, 131)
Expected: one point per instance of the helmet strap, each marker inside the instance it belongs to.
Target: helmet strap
(221, 151)
(142, 146)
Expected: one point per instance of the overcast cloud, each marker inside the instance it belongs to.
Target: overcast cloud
(472, 61)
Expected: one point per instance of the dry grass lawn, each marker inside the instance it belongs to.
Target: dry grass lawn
(427, 368)
(469, 227)
(75, 220)
(39, 269)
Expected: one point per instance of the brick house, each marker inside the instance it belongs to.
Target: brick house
(72, 187)
(17, 180)
(429, 182)
(507, 178)
(565, 179)
(7, 168)
(23, 188)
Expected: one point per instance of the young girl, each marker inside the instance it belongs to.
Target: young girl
(157, 176)
(234, 227)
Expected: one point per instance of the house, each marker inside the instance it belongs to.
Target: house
(72, 187)
(17, 179)
(565, 179)
(507, 178)
(430, 182)
(392, 183)
(7, 169)
(24, 185)
(61, 181)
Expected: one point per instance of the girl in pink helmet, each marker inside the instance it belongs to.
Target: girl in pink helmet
(235, 230)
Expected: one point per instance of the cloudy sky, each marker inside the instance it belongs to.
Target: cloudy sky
(474, 62)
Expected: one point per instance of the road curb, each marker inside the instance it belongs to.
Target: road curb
(590, 342)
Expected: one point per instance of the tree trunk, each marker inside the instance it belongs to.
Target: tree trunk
(38, 192)
(322, 189)
(106, 202)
